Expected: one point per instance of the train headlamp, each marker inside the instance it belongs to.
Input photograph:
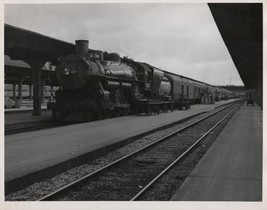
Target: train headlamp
(66, 71)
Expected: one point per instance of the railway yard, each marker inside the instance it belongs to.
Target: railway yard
(151, 160)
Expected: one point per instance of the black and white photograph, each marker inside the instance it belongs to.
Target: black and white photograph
(160, 103)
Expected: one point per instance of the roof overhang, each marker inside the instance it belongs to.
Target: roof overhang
(241, 27)
(22, 44)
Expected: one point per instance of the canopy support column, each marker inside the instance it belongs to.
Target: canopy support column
(30, 92)
(20, 89)
(36, 64)
(36, 76)
(14, 91)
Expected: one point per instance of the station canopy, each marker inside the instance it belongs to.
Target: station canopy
(241, 27)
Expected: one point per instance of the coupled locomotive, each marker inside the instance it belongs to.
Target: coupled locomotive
(96, 84)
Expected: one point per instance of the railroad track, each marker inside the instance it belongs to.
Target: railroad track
(31, 126)
(129, 177)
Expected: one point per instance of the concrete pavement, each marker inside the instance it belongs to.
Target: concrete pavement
(231, 170)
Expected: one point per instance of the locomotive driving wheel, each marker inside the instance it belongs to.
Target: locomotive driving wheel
(118, 112)
(126, 111)
(97, 115)
(157, 109)
(87, 116)
(108, 113)
(149, 110)
(165, 108)
(171, 107)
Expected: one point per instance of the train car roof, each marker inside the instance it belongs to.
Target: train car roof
(193, 80)
(181, 78)
(176, 78)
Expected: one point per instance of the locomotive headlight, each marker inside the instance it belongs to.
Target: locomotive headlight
(66, 71)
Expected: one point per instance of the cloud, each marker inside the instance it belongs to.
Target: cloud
(182, 38)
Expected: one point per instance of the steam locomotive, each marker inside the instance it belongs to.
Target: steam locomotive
(98, 84)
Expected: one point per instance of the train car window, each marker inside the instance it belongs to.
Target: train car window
(187, 89)
(182, 89)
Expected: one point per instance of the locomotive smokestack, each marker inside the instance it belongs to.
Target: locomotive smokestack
(82, 47)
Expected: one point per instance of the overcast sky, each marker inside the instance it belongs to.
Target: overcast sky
(180, 38)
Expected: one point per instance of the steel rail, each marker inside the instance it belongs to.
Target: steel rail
(180, 157)
(66, 187)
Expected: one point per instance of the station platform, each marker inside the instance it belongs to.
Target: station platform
(231, 170)
(24, 114)
(33, 151)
